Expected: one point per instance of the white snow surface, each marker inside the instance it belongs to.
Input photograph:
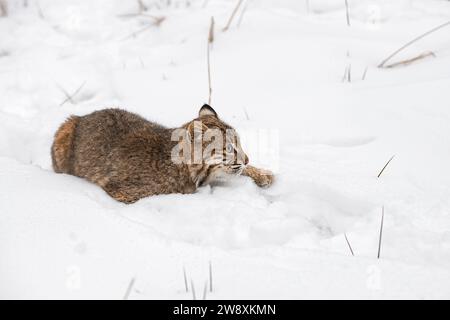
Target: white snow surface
(278, 69)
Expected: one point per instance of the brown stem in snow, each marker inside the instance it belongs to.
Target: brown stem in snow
(381, 65)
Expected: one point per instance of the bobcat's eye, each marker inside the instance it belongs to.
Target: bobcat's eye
(230, 148)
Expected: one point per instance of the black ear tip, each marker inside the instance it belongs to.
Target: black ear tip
(206, 109)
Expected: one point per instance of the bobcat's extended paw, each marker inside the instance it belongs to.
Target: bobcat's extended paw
(262, 178)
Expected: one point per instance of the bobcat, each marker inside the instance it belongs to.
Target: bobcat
(132, 158)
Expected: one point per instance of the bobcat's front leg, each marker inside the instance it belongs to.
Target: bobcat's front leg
(263, 178)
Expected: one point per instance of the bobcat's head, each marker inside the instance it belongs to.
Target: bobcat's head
(215, 148)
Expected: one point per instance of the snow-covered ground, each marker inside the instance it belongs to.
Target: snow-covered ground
(277, 77)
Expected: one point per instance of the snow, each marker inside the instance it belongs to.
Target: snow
(277, 78)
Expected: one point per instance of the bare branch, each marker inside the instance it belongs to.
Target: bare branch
(230, 20)
(210, 277)
(348, 243)
(344, 77)
(142, 6)
(130, 287)
(364, 74)
(347, 13)
(387, 163)
(246, 113)
(241, 16)
(156, 23)
(211, 31)
(193, 290)
(382, 64)
(381, 233)
(347, 74)
(185, 280)
(209, 44)
(412, 60)
(205, 290)
(69, 97)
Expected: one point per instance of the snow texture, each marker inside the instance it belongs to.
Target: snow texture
(277, 77)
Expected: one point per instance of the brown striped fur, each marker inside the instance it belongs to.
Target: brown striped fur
(130, 157)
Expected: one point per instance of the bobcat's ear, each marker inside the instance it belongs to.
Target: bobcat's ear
(206, 110)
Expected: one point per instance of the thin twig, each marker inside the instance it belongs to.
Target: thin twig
(230, 20)
(246, 114)
(205, 290)
(211, 31)
(193, 290)
(69, 97)
(3, 8)
(387, 163)
(364, 74)
(347, 13)
(348, 243)
(156, 23)
(142, 6)
(210, 277)
(134, 34)
(156, 19)
(241, 16)
(381, 233)
(349, 74)
(344, 77)
(348, 69)
(381, 65)
(412, 60)
(185, 280)
(210, 42)
(130, 287)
